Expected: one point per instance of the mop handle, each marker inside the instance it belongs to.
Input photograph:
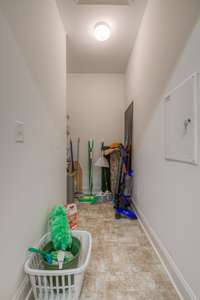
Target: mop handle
(90, 156)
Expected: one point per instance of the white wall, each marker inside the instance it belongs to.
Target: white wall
(167, 193)
(32, 90)
(96, 103)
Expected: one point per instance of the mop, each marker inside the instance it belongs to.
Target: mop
(90, 198)
(78, 174)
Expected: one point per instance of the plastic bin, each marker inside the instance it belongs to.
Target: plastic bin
(68, 282)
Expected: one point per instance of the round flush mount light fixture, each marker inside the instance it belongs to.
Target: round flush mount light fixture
(102, 31)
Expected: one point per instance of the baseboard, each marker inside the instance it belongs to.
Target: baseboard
(24, 290)
(181, 286)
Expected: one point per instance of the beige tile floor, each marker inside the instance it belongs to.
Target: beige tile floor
(123, 264)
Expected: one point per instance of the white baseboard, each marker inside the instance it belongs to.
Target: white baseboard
(181, 286)
(24, 290)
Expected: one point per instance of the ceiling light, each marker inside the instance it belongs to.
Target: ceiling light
(102, 31)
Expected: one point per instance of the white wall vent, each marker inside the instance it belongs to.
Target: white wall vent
(104, 2)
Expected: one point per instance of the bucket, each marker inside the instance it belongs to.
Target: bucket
(75, 250)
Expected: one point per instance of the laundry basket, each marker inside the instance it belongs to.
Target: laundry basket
(59, 284)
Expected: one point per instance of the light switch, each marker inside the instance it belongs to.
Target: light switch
(19, 132)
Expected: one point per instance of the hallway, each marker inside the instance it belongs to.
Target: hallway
(76, 73)
(123, 264)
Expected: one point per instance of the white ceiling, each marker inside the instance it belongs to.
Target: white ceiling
(87, 55)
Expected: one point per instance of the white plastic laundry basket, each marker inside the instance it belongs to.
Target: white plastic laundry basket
(59, 284)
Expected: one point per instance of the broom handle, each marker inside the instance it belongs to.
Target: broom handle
(90, 152)
(78, 149)
(72, 158)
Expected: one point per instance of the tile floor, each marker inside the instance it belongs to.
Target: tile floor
(123, 264)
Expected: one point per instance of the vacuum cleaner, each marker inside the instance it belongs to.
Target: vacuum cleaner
(122, 202)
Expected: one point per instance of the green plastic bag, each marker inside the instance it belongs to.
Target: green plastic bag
(61, 235)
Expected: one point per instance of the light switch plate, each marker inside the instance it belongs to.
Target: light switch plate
(19, 132)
